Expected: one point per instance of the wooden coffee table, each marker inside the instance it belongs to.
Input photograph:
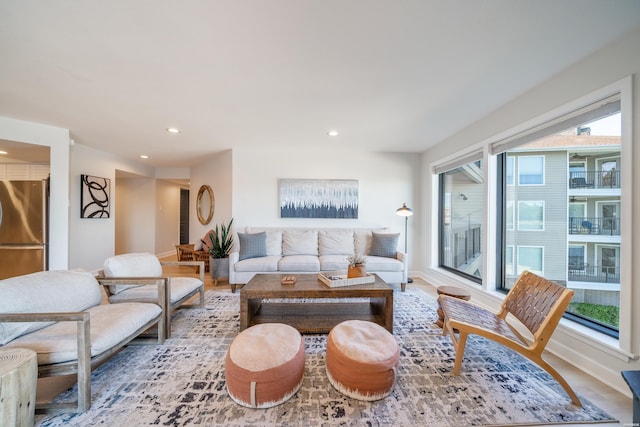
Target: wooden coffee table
(313, 317)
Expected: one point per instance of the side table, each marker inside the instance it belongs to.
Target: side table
(18, 377)
(451, 291)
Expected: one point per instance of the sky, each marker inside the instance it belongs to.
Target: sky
(609, 126)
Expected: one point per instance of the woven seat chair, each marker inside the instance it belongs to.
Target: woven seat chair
(537, 303)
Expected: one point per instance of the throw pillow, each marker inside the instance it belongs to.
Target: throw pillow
(252, 245)
(205, 242)
(384, 244)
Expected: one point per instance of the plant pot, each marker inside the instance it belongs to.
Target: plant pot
(219, 268)
(359, 270)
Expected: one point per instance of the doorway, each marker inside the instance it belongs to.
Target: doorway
(184, 216)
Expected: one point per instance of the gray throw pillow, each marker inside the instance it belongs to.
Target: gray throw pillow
(252, 245)
(384, 245)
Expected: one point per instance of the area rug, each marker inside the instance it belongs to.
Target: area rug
(182, 383)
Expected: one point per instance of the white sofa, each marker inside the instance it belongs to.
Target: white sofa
(60, 316)
(311, 250)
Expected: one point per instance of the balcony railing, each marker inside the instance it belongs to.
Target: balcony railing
(594, 225)
(594, 179)
(462, 245)
(594, 274)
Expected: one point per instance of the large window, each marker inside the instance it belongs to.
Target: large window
(566, 199)
(462, 202)
(557, 211)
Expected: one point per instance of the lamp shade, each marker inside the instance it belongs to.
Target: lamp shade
(404, 210)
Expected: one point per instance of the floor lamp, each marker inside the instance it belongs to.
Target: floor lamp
(406, 213)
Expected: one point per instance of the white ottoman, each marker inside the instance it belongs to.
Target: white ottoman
(264, 365)
(361, 360)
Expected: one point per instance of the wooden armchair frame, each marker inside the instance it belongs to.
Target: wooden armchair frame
(537, 303)
(84, 364)
(164, 291)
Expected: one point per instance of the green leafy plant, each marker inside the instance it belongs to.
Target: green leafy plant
(356, 259)
(221, 241)
(607, 314)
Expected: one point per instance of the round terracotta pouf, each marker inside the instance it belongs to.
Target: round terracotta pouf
(264, 365)
(361, 360)
(451, 291)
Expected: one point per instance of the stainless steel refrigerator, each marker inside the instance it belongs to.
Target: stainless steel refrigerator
(23, 227)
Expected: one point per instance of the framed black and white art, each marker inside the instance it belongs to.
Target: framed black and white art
(94, 197)
(318, 198)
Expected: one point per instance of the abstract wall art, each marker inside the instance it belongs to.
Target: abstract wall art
(318, 198)
(94, 197)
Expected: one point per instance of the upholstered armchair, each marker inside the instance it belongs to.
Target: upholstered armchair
(124, 274)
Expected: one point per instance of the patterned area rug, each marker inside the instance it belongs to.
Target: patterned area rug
(182, 382)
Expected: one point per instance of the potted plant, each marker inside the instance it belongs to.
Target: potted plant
(221, 244)
(357, 263)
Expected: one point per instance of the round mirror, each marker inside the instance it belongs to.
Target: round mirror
(205, 204)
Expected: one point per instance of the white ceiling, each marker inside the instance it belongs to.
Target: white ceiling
(389, 75)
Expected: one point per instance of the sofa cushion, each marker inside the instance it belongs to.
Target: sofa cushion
(252, 245)
(274, 243)
(376, 263)
(180, 287)
(131, 265)
(335, 242)
(384, 245)
(263, 264)
(109, 325)
(300, 242)
(333, 262)
(45, 292)
(306, 263)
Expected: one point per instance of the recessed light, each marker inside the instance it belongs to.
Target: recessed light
(144, 156)
(173, 130)
(332, 133)
(2, 152)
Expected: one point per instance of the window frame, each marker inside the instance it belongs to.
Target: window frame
(542, 173)
(498, 143)
(542, 202)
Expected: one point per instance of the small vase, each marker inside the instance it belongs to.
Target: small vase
(358, 270)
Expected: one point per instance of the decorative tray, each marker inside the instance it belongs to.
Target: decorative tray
(336, 279)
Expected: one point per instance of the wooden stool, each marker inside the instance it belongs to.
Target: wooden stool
(451, 291)
(18, 377)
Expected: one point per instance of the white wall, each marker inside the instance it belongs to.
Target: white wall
(167, 214)
(135, 208)
(607, 66)
(58, 140)
(91, 241)
(386, 180)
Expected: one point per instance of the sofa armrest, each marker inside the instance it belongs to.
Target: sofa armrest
(233, 258)
(199, 264)
(82, 319)
(404, 258)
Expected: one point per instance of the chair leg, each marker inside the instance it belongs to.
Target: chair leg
(462, 341)
(201, 303)
(555, 374)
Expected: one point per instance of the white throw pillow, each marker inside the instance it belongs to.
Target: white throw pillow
(336, 242)
(300, 242)
(274, 243)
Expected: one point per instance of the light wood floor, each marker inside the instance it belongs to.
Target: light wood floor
(616, 404)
